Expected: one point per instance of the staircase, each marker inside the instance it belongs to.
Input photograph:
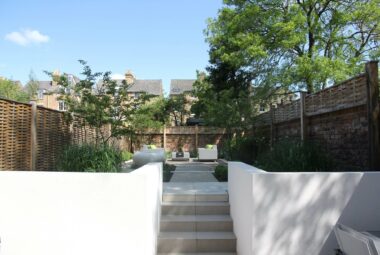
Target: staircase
(196, 224)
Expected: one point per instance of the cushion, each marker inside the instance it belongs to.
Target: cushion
(209, 146)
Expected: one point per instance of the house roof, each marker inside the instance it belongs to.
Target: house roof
(152, 87)
(180, 86)
(47, 86)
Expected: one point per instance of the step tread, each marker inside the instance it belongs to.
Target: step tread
(194, 203)
(199, 253)
(197, 235)
(197, 218)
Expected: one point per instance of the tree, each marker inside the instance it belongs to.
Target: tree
(13, 91)
(100, 104)
(32, 86)
(178, 107)
(297, 44)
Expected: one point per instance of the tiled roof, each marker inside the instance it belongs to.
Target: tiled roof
(47, 86)
(152, 87)
(180, 86)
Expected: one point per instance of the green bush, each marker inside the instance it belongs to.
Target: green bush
(221, 173)
(243, 149)
(168, 154)
(194, 153)
(295, 156)
(167, 172)
(126, 155)
(90, 158)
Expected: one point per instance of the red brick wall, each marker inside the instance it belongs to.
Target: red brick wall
(335, 118)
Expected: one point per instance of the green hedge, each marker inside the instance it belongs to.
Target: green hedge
(221, 173)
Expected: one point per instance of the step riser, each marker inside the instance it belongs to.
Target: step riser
(196, 245)
(195, 210)
(195, 198)
(208, 226)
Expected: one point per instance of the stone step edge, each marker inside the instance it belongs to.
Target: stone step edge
(194, 235)
(196, 218)
(199, 253)
(195, 203)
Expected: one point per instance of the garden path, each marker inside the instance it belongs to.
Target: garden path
(193, 171)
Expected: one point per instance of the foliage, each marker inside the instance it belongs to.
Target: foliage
(100, 104)
(126, 155)
(295, 156)
(151, 115)
(194, 153)
(221, 173)
(301, 45)
(229, 108)
(90, 158)
(243, 148)
(32, 86)
(224, 108)
(178, 107)
(12, 91)
(167, 172)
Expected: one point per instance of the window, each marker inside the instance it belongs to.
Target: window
(61, 106)
(40, 94)
(262, 108)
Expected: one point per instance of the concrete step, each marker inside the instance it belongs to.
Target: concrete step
(196, 242)
(202, 223)
(173, 197)
(199, 253)
(195, 208)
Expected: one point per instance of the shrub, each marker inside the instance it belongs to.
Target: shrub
(126, 155)
(243, 149)
(295, 156)
(90, 158)
(168, 172)
(221, 173)
(194, 153)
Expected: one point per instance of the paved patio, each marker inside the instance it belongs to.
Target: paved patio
(193, 171)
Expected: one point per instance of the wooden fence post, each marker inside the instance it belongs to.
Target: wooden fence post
(303, 116)
(196, 136)
(164, 134)
(33, 137)
(272, 125)
(371, 69)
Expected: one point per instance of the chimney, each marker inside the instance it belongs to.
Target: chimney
(55, 76)
(129, 77)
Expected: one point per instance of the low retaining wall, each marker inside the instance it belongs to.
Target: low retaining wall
(62, 213)
(295, 213)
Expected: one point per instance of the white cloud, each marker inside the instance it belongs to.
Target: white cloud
(26, 37)
(117, 76)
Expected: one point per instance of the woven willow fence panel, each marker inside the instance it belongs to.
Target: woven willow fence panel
(348, 94)
(15, 143)
(53, 135)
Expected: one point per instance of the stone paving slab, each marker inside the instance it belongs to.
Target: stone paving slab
(193, 172)
(193, 177)
(187, 188)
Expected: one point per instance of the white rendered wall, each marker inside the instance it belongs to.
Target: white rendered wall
(294, 213)
(45, 213)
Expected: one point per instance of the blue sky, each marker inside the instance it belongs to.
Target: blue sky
(155, 39)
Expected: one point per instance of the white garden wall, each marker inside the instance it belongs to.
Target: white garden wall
(45, 213)
(294, 213)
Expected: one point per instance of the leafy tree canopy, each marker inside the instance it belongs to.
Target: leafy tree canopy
(13, 91)
(100, 103)
(297, 44)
